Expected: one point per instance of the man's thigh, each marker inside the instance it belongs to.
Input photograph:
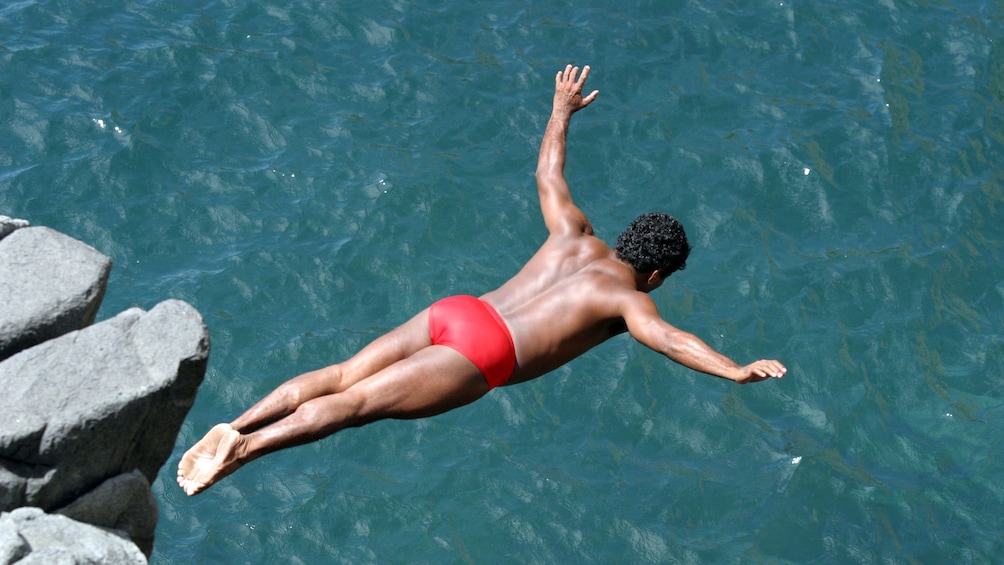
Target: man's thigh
(434, 380)
(392, 347)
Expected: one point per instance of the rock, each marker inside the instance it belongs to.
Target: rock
(54, 539)
(98, 402)
(8, 225)
(12, 545)
(50, 284)
(123, 503)
(88, 413)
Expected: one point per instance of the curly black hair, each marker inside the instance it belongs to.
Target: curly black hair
(654, 241)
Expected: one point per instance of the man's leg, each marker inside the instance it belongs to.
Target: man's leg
(393, 346)
(431, 381)
(434, 380)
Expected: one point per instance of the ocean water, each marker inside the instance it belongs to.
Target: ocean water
(308, 175)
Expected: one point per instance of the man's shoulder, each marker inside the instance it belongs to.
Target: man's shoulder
(573, 238)
(622, 295)
(607, 281)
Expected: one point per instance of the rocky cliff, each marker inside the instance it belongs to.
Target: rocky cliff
(89, 412)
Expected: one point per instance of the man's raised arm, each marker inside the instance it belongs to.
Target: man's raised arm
(561, 215)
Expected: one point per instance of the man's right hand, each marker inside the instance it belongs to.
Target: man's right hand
(568, 91)
(760, 371)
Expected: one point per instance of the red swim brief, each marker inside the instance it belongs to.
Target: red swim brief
(474, 329)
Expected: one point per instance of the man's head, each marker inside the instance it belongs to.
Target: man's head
(654, 241)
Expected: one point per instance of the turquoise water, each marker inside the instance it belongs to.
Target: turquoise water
(308, 175)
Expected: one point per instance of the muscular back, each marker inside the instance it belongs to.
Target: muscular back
(566, 300)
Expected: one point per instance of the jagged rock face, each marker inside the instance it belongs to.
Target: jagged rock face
(124, 503)
(88, 413)
(98, 402)
(50, 284)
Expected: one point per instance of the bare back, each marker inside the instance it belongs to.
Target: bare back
(563, 302)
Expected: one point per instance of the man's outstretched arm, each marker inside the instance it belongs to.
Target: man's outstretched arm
(561, 215)
(647, 327)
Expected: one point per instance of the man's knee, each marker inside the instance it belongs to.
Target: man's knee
(364, 407)
(312, 385)
(331, 378)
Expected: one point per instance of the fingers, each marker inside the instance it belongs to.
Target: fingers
(771, 368)
(569, 75)
(563, 75)
(765, 369)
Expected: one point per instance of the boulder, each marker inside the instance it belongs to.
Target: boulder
(13, 547)
(96, 403)
(89, 413)
(123, 503)
(50, 284)
(29, 536)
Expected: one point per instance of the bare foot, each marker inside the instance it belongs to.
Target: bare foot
(214, 457)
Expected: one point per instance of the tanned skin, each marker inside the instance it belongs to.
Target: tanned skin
(573, 294)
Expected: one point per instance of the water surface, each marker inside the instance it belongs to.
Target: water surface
(308, 175)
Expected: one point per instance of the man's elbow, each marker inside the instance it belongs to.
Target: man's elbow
(550, 185)
(547, 176)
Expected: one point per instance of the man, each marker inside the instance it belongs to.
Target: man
(573, 294)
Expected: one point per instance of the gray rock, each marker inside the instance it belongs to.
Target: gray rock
(12, 545)
(53, 556)
(98, 402)
(123, 503)
(8, 225)
(50, 284)
(58, 539)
